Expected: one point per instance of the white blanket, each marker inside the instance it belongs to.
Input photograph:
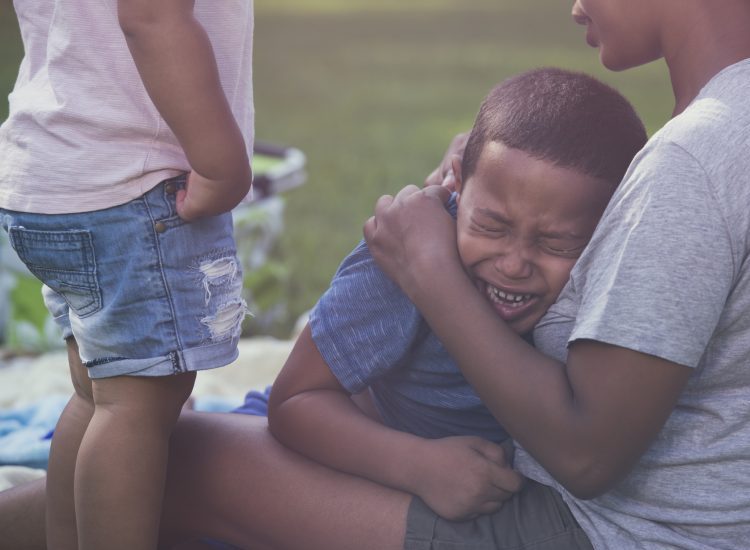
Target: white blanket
(34, 390)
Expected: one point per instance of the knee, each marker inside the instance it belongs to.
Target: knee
(167, 395)
(155, 401)
(79, 375)
(178, 388)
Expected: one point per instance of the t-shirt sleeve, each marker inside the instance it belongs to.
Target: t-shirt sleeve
(660, 266)
(363, 325)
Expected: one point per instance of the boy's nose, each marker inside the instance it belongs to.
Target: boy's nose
(514, 263)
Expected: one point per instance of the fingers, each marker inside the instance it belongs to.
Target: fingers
(369, 229)
(493, 452)
(406, 192)
(435, 177)
(183, 206)
(490, 505)
(438, 191)
(443, 175)
(506, 480)
(449, 181)
(383, 202)
(371, 224)
(393, 215)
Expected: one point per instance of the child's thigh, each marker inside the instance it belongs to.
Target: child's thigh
(230, 480)
(142, 291)
(535, 518)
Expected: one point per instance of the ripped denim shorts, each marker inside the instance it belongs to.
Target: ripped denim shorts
(143, 292)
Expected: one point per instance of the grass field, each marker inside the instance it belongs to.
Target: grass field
(373, 90)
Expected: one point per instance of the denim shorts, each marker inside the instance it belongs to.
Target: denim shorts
(143, 292)
(536, 518)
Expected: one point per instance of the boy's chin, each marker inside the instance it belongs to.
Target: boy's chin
(523, 327)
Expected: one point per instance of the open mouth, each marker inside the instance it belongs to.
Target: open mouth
(508, 299)
(512, 307)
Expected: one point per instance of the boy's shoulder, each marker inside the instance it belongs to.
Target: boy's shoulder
(714, 127)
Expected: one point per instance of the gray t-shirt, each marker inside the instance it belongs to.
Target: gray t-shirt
(667, 274)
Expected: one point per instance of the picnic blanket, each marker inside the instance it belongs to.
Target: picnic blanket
(34, 391)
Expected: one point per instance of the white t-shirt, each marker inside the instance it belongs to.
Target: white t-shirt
(667, 273)
(82, 133)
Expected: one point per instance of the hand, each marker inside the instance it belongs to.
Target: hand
(443, 174)
(412, 234)
(465, 476)
(203, 197)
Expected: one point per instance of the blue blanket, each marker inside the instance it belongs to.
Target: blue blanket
(26, 432)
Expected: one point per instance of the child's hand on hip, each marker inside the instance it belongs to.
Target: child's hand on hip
(203, 197)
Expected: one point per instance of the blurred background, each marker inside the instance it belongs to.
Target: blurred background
(371, 91)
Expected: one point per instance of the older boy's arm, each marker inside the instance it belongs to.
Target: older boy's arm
(311, 413)
(443, 174)
(176, 62)
(586, 421)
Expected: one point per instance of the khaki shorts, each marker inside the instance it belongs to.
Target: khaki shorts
(535, 518)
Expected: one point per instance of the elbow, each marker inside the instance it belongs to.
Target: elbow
(281, 413)
(138, 17)
(132, 15)
(587, 477)
(244, 180)
(586, 489)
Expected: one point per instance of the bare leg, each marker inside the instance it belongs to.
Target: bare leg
(364, 401)
(231, 480)
(22, 517)
(122, 462)
(60, 511)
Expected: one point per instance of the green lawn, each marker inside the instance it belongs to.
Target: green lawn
(373, 90)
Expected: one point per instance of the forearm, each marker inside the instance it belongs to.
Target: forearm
(328, 427)
(532, 396)
(586, 421)
(176, 62)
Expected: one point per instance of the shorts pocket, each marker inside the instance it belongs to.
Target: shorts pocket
(64, 261)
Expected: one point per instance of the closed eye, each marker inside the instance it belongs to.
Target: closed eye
(491, 230)
(563, 250)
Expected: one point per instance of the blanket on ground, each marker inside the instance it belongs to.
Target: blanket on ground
(34, 391)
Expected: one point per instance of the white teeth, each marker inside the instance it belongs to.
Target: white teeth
(498, 296)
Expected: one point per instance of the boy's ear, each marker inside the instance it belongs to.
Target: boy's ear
(458, 176)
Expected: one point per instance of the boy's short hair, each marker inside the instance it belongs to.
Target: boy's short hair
(568, 118)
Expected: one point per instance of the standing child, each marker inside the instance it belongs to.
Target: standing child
(547, 150)
(126, 146)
